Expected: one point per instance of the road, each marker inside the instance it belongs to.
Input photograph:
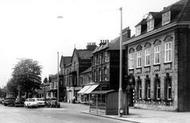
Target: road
(67, 114)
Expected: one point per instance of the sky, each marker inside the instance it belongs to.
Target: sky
(38, 29)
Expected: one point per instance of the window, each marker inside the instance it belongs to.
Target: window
(147, 57)
(139, 88)
(105, 73)
(157, 54)
(106, 57)
(139, 59)
(150, 25)
(147, 87)
(131, 61)
(157, 87)
(138, 30)
(168, 51)
(168, 87)
(100, 74)
(166, 17)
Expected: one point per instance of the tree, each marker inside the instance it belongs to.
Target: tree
(27, 75)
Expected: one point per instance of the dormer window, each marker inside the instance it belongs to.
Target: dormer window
(150, 25)
(138, 30)
(166, 18)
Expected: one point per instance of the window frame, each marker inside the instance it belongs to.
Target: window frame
(157, 54)
(166, 18)
(168, 52)
(131, 60)
(138, 30)
(139, 59)
(147, 56)
(150, 25)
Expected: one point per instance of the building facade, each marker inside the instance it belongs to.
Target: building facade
(80, 61)
(158, 59)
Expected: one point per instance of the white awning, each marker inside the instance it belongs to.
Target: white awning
(84, 89)
(92, 87)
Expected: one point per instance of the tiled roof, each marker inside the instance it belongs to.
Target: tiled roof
(180, 13)
(84, 54)
(67, 59)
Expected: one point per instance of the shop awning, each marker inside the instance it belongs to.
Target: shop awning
(84, 89)
(102, 91)
(92, 87)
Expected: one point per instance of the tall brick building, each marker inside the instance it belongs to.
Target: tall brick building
(159, 59)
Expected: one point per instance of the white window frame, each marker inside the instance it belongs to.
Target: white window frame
(147, 57)
(168, 52)
(150, 25)
(138, 30)
(131, 61)
(166, 18)
(139, 59)
(157, 54)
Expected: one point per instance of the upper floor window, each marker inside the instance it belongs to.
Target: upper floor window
(150, 25)
(147, 57)
(100, 74)
(106, 56)
(157, 54)
(139, 59)
(138, 30)
(166, 18)
(131, 58)
(168, 52)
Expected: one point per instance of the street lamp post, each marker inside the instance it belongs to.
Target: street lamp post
(120, 93)
(57, 76)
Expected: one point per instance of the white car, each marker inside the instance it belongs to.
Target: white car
(30, 102)
(41, 101)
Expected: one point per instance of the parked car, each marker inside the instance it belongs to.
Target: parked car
(41, 102)
(30, 102)
(19, 102)
(52, 103)
(9, 101)
(1, 100)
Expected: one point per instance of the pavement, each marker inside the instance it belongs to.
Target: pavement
(140, 115)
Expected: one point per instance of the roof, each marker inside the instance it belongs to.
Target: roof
(66, 59)
(180, 13)
(84, 53)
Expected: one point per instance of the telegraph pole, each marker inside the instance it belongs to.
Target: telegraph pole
(120, 93)
(58, 76)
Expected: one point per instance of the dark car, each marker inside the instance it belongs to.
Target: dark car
(52, 103)
(9, 102)
(19, 102)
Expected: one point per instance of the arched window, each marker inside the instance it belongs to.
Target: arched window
(168, 48)
(131, 58)
(157, 87)
(147, 87)
(147, 53)
(139, 88)
(139, 56)
(168, 87)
